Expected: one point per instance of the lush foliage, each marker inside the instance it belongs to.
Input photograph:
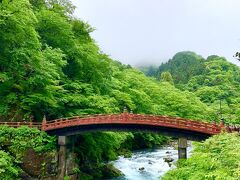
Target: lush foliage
(59, 70)
(13, 144)
(8, 170)
(216, 158)
(94, 148)
(214, 80)
(183, 66)
(219, 82)
(50, 65)
(149, 70)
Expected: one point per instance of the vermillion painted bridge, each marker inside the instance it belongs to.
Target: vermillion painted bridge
(171, 126)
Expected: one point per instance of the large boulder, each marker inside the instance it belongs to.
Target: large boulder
(37, 165)
(109, 171)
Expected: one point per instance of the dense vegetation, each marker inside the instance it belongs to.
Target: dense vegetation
(149, 70)
(50, 65)
(216, 158)
(220, 81)
(212, 80)
(14, 142)
(216, 82)
(183, 66)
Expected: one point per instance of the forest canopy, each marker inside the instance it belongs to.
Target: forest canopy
(51, 66)
(214, 80)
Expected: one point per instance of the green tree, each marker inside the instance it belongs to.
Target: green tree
(166, 77)
(14, 142)
(183, 66)
(216, 158)
(29, 71)
(7, 168)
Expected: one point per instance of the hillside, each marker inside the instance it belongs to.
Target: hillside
(51, 66)
(216, 158)
(219, 82)
(183, 66)
(214, 80)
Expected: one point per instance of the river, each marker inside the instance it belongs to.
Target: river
(147, 164)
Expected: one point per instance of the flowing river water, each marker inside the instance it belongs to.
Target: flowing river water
(147, 164)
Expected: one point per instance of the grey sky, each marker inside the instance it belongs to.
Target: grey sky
(137, 31)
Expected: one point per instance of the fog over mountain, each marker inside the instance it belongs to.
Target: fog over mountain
(152, 31)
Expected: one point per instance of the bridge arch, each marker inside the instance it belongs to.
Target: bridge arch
(170, 126)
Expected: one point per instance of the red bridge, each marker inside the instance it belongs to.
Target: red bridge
(172, 126)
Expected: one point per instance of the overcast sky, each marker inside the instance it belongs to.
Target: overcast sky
(138, 31)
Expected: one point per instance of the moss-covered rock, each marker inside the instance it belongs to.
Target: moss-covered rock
(125, 152)
(39, 164)
(98, 171)
(109, 171)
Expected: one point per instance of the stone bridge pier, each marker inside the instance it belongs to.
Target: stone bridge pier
(66, 146)
(66, 157)
(182, 148)
(62, 156)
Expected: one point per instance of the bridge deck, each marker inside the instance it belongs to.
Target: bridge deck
(127, 120)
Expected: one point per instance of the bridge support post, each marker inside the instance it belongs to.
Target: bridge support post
(62, 154)
(182, 148)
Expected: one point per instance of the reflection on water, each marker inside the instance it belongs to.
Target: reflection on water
(147, 165)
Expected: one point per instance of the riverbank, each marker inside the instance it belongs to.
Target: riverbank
(93, 149)
(148, 164)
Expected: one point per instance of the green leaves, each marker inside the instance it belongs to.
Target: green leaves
(183, 66)
(56, 68)
(30, 72)
(54, 29)
(13, 144)
(97, 147)
(3, 77)
(23, 138)
(220, 81)
(7, 168)
(216, 158)
(166, 77)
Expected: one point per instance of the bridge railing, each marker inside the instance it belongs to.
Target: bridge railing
(18, 124)
(127, 118)
(180, 123)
